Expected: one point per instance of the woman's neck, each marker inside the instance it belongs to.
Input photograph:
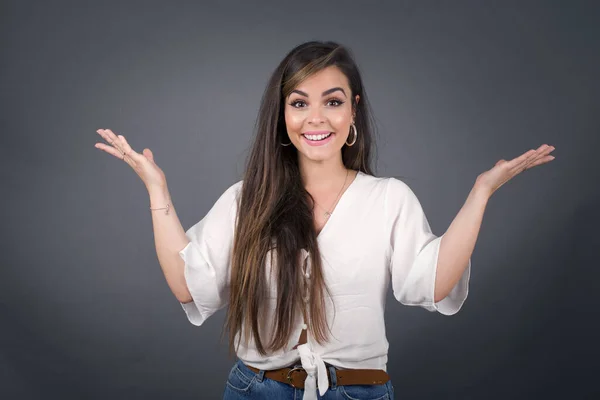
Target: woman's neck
(322, 175)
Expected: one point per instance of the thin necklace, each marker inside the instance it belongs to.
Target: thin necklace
(327, 212)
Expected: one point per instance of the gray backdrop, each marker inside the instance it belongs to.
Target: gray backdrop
(455, 86)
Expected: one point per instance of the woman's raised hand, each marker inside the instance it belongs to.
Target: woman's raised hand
(503, 171)
(143, 164)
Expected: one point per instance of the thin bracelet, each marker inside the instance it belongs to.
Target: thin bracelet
(162, 208)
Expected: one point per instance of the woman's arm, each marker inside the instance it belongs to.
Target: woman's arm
(169, 239)
(458, 242)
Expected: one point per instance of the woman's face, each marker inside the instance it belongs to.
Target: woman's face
(318, 107)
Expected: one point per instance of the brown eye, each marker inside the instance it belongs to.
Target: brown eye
(293, 103)
(339, 102)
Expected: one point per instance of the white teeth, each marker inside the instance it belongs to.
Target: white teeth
(317, 137)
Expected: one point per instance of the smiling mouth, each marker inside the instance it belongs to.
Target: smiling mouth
(317, 138)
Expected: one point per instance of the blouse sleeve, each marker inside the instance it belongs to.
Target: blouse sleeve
(207, 258)
(414, 254)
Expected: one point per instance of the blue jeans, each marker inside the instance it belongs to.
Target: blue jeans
(243, 383)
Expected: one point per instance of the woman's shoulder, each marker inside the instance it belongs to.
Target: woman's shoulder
(236, 187)
(228, 197)
(385, 185)
(233, 190)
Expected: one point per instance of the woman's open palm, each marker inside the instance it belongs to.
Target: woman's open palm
(143, 164)
(503, 170)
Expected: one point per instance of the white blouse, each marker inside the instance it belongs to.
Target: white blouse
(377, 232)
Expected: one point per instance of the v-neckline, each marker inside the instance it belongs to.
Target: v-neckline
(337, 206)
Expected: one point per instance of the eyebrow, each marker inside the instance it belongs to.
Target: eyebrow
(325, 93)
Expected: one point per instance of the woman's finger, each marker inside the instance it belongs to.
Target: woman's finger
(541, 158)
(523, 161)
(117, 142)
(111, 138)
(534, 160)
(109, 150)
(515, 163)
(130, 154)
(121, 145)
(520, 167)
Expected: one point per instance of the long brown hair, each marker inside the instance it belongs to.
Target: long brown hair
(276, 211)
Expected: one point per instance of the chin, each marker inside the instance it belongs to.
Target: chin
(318, 159)
(319, 155)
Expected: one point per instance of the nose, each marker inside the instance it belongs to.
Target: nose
(316, 116)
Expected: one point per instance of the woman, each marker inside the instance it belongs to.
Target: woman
(304, 268)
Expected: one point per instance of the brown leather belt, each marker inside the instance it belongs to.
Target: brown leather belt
(296, 376)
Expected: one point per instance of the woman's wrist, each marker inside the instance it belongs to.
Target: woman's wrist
(159, 196)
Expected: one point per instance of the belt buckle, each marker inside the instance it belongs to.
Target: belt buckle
(289, 378)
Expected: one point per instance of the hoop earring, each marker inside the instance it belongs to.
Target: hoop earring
(352, 128)
(285, 144)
